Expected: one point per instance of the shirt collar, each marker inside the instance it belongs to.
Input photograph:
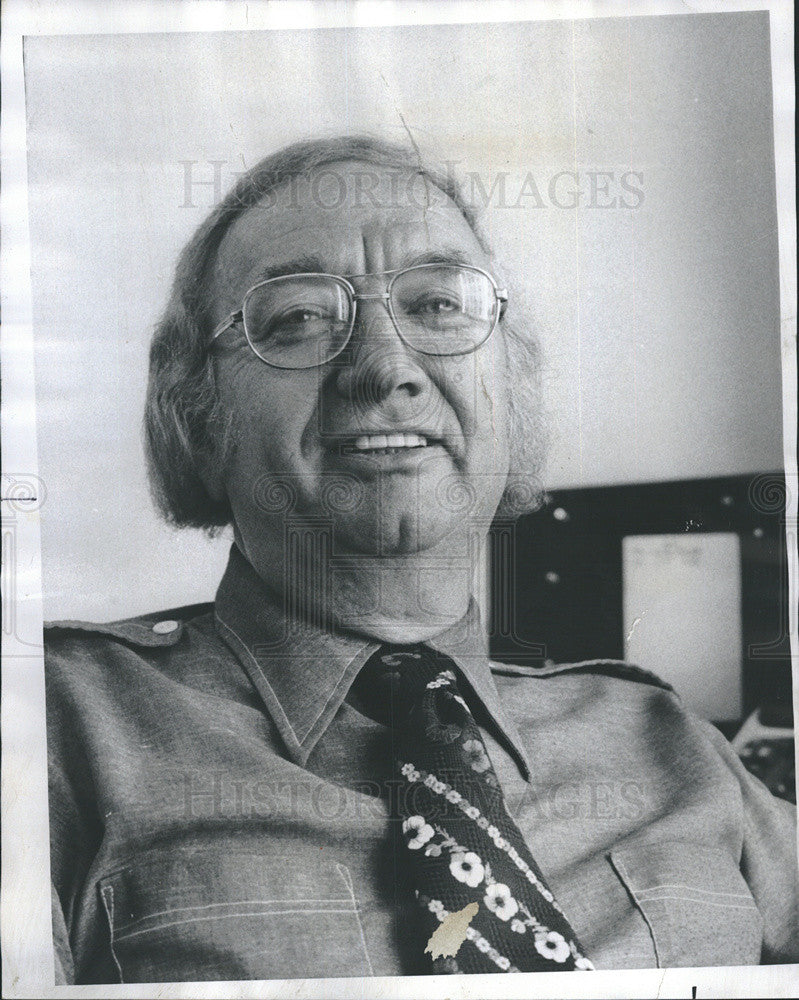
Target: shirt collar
(303, 672)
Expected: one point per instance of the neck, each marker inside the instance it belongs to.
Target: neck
(399, 599)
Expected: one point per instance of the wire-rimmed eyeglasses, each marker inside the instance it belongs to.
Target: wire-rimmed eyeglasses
(299, 321)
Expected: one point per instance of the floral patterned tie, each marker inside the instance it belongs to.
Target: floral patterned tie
(461, 843)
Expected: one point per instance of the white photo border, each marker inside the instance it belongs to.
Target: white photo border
(26, 928)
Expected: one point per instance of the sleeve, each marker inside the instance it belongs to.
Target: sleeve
(62, 952)
(75, 828)
(769, 858)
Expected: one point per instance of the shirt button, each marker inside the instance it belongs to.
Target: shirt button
(164, 628)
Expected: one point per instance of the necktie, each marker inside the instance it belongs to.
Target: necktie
(460, 843)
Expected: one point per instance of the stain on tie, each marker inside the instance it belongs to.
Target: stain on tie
(447, 938)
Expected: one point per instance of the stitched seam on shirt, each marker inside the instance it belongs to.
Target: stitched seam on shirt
(692, 888)
(300, 739)
(499, 715)
(618, 865)
(227, 916)
(139, 860)
(626, 671)
(274, 698)
(107, 894)
(210, 906)
(347, 878)
(334, 690)
(703, 902)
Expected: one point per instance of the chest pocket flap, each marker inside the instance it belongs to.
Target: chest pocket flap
(207, 914)
(695, 902)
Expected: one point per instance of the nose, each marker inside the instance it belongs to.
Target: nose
(381, 367)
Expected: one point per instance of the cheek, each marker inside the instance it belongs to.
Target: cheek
(270, 414)
(491, 371)
(470, 385)
(495, 422)
(263, 397)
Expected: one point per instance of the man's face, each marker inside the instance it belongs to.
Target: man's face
(294, 430)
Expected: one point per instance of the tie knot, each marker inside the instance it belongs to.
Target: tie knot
(395, 681)
(411, 669)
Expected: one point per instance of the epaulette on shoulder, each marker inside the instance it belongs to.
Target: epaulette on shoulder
(164, 628)
(609, 668)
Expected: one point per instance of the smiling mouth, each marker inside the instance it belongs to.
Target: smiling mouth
(385, 444)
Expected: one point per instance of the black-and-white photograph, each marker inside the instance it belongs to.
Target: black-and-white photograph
(414, 501)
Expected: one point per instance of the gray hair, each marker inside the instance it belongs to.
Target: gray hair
(185, 429)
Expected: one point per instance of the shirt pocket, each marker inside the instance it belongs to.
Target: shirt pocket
(695, 902)
(210, 914)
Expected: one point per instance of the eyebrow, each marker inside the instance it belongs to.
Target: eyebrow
(300, 265)
(448, 255)
(315, 265)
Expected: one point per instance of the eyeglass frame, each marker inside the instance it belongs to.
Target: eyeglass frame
(233, 318)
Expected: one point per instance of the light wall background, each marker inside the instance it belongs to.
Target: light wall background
(660, 324)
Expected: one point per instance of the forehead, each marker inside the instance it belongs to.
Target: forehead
(347, 218)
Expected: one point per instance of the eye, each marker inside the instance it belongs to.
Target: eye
(302, 314)
(299, 321)
(436, 305)
(435, 310)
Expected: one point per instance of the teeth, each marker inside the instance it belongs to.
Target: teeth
(374, 442)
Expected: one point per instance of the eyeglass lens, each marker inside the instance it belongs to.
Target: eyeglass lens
(304, 320)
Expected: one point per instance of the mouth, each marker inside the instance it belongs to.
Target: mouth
(385, 444)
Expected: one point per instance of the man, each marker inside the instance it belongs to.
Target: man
(314, 774)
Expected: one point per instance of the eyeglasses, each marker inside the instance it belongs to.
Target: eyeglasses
(304, 320)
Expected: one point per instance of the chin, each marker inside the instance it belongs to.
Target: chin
(394, 533)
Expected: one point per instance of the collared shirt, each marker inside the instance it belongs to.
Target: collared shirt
(219, 809)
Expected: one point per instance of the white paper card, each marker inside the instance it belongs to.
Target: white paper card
(682, 616)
